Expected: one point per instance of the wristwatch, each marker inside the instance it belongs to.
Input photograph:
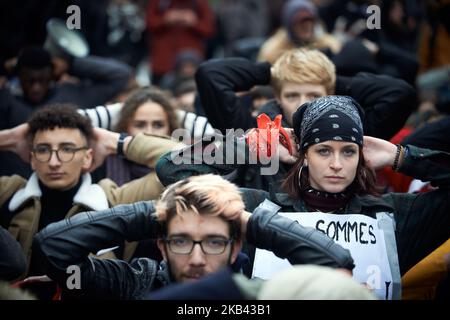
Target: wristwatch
(122, 137)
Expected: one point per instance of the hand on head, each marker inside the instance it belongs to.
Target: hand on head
(378, 153)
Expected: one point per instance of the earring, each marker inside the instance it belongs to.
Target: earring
(304, 165)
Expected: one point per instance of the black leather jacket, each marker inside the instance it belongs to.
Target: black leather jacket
(70, 241)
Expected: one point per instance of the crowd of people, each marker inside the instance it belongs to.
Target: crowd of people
(302, 157)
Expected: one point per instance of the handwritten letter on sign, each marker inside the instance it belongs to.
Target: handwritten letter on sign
(357, 233)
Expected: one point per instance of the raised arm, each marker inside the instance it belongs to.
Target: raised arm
(105, 117)
(101, 79)
(15, 140)
(192, 160)
(387, 101)
(423, 219)
(218, 81)
(69, 242)
(420, 163)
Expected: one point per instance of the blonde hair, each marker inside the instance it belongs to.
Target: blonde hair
(304, 66)
(205, 195)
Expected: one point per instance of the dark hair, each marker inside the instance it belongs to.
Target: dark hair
(363, 184)
(60, 116)
(34, 58)
(138, 98)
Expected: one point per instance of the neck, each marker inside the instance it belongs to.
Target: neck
(70, 189)
(325, 201)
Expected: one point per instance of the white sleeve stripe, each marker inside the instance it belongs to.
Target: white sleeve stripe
(90, 113)
(98, 117)
(209, 130)
(198, 126)
(105, 117)
(109, 119)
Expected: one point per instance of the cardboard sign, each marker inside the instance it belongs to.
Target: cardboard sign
(358, 233)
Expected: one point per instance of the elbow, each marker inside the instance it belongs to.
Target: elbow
(163, 172)
(203, 70)
(342, 257)
(406, 93)
(347, 262)
(125, 73)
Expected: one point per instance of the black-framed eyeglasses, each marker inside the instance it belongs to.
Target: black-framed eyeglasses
(211, 246)
(64, 154)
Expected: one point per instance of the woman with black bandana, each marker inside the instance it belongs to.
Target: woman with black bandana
(334, 173)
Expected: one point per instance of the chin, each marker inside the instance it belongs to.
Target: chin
(334, 188)
(56, 185)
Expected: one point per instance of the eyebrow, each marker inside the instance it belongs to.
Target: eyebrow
(186, 235)
(351, 145)
(46, 144)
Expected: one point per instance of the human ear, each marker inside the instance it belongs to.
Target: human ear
(162, 248)
(87, 160)
(236, 248)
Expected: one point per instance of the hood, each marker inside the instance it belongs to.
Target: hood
(294, 10)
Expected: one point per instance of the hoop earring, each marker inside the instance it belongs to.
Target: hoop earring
(300, 174)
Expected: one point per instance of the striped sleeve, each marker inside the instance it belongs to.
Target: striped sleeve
(198, 126)
(105, 117)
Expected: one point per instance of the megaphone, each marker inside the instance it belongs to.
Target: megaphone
(63, 42)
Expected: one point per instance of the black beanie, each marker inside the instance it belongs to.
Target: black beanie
(337, 118)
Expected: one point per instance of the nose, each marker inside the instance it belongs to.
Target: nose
(336, 163)
(149, 129)
(54, 161)
(36, 87)
(197, 257)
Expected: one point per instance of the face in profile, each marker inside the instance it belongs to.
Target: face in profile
(213, 231)
(63, 170)
(332, 165)
(293, 95)
(151, 118)
(35, 83)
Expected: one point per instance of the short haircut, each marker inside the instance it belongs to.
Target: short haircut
(205, 195)
(143, 95)
(304, 66)
(64, 116)
(34, 58)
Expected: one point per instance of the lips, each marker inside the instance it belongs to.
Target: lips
(55, 175)
(334, 178)
(193, 276)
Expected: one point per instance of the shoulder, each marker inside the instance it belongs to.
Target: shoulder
(370, 205)
(9, 185)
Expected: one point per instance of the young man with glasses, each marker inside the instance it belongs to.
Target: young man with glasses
(200, 226)
(63, 147)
